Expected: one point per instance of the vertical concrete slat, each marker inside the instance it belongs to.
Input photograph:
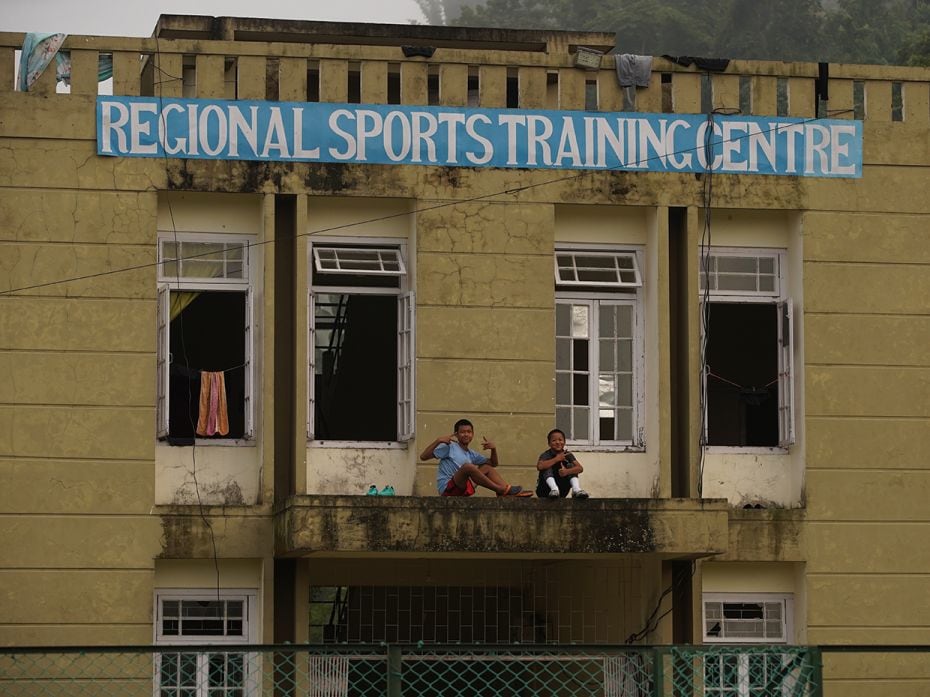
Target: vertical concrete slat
(649, 99)
(572, 88)
(7, 63)
(169, 74)
(374, 82)
(453, 84)
(210, 77)
(250, 77)
(726, 91)
(127, 68)
(609, 96)
(334, 80)
(801, 97)
(492, 86)
(413, 79)
(916, 96)
(878, 100)
(532, 88)
(292, 79)
(84, 72)
(46, 83)
(267, 367)
(764, 95)
(686, 93)
(841, 99)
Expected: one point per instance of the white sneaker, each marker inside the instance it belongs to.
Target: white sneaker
(554, 494)
(580, 494)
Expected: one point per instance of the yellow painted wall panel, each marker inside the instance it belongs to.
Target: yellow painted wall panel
(866, 340)
(892, 548)
(895, 143)
(126, 73)
(868, 391)
(572, 88)
(861, 442)
(486, 228)
(334, 81)
(869, 600)
(292, 79)
(487, 386)
(837, 236)
(867, 288)
(881, 495)
(609, 95)
(76, 324)
(686, 93)
(108, 433)
(840, 105)
(30, 215)
(413, 83)
(135, 634)
(875, 688)
(56, 164)
(764, 95)
(374, 82)
(532, 88)
(801, 97)
(85, 542)
(210, 77)
(77, 379)
(726, 91)
(482, 280)
(882, 189)
(27, 264)
(877, 100)
(505, 333)
(894, 665)
(916, 96)
(92, 597)
(76, 486)
(84, 72)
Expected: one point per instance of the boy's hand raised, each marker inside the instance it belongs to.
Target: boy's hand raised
(488, 444)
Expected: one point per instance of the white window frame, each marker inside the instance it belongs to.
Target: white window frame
(406, 336)
(167, 283)
(785, 338)
(250, 625)
(786, 599)
(623, 294)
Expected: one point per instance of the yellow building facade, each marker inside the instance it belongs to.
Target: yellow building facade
(749, 390)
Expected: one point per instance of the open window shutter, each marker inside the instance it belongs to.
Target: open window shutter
(248, 402)
(405, 363)
(162, 360)
(705, 412)
(311, 367)
(785, 374)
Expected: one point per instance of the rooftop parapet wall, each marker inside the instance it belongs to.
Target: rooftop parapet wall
(316, 61)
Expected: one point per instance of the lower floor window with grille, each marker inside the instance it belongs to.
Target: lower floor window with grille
(202, 618)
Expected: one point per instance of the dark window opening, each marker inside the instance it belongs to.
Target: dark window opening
(745, 94)
(707, 93)
(432, 85)
(355, 83)
(897, 101)
(781, 96)
(393, 83)
(513, 89)
(313, 82)
(742, 380)
(590, 95)
(355, 374)
(667, 104)
(474, 86)
(207, 335)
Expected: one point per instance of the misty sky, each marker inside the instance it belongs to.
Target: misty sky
(138, 17)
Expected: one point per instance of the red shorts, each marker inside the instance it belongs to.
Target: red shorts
(453, 489)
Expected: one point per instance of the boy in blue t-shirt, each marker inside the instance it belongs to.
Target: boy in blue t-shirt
(461, 468)
(558, 470)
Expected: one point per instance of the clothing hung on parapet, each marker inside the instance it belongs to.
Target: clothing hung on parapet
(40, 49)
(713, 65)
(632, 72)
(213, 416)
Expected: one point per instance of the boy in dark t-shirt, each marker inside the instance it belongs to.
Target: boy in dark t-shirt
(558, 470)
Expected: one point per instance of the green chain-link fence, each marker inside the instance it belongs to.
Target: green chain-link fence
(411, 671)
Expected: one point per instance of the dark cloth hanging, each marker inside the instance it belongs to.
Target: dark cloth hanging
(425, 51)
(714, 65)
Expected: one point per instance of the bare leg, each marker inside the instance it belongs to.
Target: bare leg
(478, 476)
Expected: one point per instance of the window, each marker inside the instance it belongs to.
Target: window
(763, 618)
(748, 393)
(204, 324)
(361, 343)
(599, 347)
(206, 617)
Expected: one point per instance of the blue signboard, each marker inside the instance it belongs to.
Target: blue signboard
(460, 137)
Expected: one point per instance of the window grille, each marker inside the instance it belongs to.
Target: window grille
(743, 274)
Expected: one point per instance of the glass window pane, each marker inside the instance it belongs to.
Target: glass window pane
(188, 670)
(169, 608)
(607, 321)
(169, 669)
(580, 354)
(624, 390)
(767, 284)
(582, 421)
(563, 320)
(563, 420)
(767, 265)
(580, 321)
(727, 264)
(625, 424)
(216, 672)
(234, 608)
(624, 355)
(773, 629)
(606, 393)
(563, 354)
(563, 388)
(605, 355)
(625, 321)
(734, 282)
(235, 666)
(580, 389)
(606, 425)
